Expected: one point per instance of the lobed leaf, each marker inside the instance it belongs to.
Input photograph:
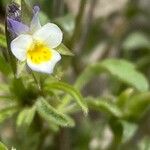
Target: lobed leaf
(50, 114)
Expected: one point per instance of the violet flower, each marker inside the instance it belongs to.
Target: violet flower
(36, 44)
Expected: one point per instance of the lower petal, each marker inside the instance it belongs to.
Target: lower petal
(45, 67)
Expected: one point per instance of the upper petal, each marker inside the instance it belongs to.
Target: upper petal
(17, 27)
(35, 23)
(50, 34)
(20, 45)
(45, 67)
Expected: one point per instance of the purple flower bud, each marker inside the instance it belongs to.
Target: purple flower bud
(36, 9)
(13, 20)
(13, 11)
(14, 23)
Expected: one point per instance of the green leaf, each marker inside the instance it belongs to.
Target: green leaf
(2, 146)
(123, 98)
(67, 23)
(4, 87)
(18, 88)
(137, 105)
(50, 114)
(136, 40)
(126, 72)
(128, 130)
(53, 127)
(26, 116)
(20, 68)
(144, 143)
(104, 106)
(119, 68)
(62, 49)
(7, 112)
(71, 91)
(88, 74)
(3, 42)
(4, 66)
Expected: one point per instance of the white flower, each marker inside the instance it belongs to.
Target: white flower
(36, 44)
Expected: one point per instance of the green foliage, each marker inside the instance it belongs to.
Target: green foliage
(2, 146)
(136, 40)
(70, 90)
(26, 11)
(4, 66)
(26, 116)
(127, 73)
(104, 106)
(51, 114)
(3, 41)
(20, 69)
(62, 49)
(44, 111)
(137, 105)
(121, 69)
(129, 130)
(7, 112)
(124, 97)
(67, 23)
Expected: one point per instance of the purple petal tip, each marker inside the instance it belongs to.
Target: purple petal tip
(36, 9)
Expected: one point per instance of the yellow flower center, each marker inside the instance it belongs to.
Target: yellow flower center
(39, 52)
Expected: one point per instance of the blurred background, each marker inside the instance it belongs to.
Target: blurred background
(94, 30)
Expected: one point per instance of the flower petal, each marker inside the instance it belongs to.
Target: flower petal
(50, 34)
(45, 67)
(35, 23)
(20, 45)
(17, 27)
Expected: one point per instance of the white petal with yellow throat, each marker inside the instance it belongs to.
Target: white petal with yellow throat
(45, 66)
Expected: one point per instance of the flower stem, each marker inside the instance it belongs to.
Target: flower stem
(36, 81)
